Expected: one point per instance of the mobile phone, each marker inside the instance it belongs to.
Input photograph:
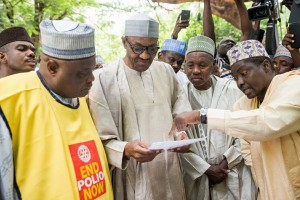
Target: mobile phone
(185, 15)
(295, 29)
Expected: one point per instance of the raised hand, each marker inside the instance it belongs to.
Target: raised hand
(288, 40)
(183, 120)
(180, 24)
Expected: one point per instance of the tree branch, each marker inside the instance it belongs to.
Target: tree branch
(9, 11)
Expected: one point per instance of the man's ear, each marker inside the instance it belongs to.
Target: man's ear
(160, 54)
(52, 67)
(123, 41)
(267, 66)
(3, 58)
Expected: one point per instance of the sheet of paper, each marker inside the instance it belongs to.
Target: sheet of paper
(173, 144)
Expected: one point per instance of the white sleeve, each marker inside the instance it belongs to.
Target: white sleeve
(6, 164)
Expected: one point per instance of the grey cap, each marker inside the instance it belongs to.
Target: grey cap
(282, 51)
(201, 43)
(66, 39)
(141, 25)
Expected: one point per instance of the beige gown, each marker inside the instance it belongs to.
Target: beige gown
(124, 109)
(274, 134)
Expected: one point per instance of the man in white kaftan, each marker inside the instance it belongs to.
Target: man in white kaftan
(217, 149)
(132, 102)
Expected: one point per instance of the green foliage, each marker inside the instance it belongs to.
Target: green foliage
(30, 13)
(222, 29)
(108, 18)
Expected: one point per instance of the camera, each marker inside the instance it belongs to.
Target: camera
(185, 15)
(266, 9)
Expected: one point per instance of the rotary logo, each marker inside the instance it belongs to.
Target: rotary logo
(84, 153)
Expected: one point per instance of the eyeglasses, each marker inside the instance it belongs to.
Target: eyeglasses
(140, 49)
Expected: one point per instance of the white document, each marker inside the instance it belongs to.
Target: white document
(172, 144)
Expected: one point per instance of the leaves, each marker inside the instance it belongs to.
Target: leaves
(108, 19)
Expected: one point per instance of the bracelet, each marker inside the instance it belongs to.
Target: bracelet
(203, 117)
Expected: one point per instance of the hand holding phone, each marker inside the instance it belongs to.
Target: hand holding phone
(185, 15)
(182, 21)
(295, 30)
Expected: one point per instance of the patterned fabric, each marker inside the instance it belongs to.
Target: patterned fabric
(246, 49)
(14, 34)
(201, 43)
(224, 68)
(66, 39)
(174, 45)
(282, 51)
(141, 25)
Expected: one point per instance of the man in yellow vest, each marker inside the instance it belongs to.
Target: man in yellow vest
(49, 146)
(17, 52)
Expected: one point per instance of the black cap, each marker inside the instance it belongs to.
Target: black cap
(14, 34)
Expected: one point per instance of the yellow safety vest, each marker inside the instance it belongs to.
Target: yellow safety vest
(58, 154)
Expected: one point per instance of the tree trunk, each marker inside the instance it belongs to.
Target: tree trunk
(39, 6)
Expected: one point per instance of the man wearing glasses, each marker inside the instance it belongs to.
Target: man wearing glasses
(133, 101)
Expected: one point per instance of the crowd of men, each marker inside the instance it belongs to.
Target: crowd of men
(77, 128)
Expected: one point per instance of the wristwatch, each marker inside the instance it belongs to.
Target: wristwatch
(203, 117)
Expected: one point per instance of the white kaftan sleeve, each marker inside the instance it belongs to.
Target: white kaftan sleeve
(193, 165)
(6, 164)
(106, 125)
(233, 154)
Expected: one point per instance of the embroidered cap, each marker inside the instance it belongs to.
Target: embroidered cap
(282, 51)
(14, 34)
(174, 45)
(201, 43)
(141, 25)
(246, 49)
(67, 40)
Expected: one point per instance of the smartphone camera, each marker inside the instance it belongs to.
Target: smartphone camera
(185, 15)
(295, 29)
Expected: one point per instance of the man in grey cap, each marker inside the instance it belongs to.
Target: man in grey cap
(282, 60)
(214, 168)
(17, 52)
(49, 146)
(133, 101)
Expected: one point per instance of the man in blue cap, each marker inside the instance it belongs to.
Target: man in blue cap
(173, 53)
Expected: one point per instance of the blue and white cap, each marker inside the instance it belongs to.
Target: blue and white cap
(66, 39)
(174, 45)
(141, 25)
